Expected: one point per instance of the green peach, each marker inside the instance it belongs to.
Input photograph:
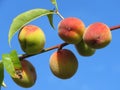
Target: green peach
(83, 49)
(32, 39)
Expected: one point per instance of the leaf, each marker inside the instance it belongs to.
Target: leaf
(15, 60)
(8, 64)
(50, 17)
(25, 18)
(1, 72)
(54, 2)
(11, 63)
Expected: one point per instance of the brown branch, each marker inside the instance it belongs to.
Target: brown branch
(59, 46)
(115, 27)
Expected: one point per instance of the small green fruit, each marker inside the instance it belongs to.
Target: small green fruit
(32, 39)
(63, 64)
(28, 75)
(83, 49)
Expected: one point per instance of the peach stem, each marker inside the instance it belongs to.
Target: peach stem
(57, 12)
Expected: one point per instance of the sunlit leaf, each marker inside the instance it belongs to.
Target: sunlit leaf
(11, 63)
(25, 18)
(8, 64)
(54, 2)
(1, 73)
(50, 17)
(15, 60)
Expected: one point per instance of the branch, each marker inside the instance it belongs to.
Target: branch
(59, 46)
(114, 27)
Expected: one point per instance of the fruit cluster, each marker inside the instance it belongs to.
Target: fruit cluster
(86, 40)
(63, 63)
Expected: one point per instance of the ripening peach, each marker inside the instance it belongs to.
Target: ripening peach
(32, 39)
(28, 75)
(83, 49)
(63, 64)
(71, 30)
(97, 35)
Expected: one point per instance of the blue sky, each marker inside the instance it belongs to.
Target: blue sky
(98, 72)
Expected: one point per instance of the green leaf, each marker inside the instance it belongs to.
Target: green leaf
(8, 64)
(15, 60)
(1, 72)
(50, 17)
(54, 2)
(12, 63)
(25, 18)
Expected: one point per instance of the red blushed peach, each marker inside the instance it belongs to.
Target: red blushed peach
(71, 30)
(31, 39)
(63, 64)
(97, 35)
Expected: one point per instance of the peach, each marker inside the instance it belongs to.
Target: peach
(32, 39)
(63, 64)
(28, 75)
(83, 49)
(97, 35)
(71, 30)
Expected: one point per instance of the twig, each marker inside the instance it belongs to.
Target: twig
(114, 27)
(57, 12)
(59, 46)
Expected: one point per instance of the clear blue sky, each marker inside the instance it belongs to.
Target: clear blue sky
(98, 72)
